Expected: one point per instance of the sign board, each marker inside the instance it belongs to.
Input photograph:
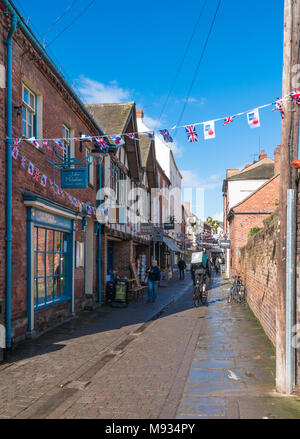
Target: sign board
(169, 226)
(121, 288)
(158, 234)
(74, 178)
(146, 229)
(225, 243)
(164, 277)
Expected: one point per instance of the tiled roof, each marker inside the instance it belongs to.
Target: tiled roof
(112, 117)
(262, 170)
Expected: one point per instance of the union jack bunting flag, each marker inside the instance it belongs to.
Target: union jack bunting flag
(228, 120)
(44, 180)
(23, 161)
(101, 142)
(117, 140)
(191, 133)
(36, 174)
(46, 144)
(30, 168)
(295, 95)
(16, 142)
(279, 106)
(51, 183)
(166, 136)
(15, 151)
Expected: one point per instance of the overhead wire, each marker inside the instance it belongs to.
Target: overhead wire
(183, 59)
(198, 64)
(70, 24)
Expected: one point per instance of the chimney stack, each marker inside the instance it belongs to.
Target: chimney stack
(263, 155)
(277, 160)
(139, 114)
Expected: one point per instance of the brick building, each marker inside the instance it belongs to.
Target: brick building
(53, 240)
(127, 178)
(257, 189)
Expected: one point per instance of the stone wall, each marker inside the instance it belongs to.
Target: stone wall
(258, 265)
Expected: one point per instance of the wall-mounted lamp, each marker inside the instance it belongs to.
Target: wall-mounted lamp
(19, 107)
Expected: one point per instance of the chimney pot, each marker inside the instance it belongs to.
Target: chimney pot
(263, 155)
(139, 113)
(277, 160)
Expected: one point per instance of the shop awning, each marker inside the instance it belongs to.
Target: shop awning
(171, 244)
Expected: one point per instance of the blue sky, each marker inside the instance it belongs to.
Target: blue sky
(124, 51)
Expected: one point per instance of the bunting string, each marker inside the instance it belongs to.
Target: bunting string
(209, 129)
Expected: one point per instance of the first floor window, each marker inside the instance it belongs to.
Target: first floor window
(29, 113)
(49, 265)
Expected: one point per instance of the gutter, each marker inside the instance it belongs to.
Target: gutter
(9, 110)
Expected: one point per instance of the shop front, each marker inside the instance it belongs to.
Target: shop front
(50, 261)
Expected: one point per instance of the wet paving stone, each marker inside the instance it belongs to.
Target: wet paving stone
(233, 371)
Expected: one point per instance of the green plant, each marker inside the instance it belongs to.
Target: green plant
(253, 231)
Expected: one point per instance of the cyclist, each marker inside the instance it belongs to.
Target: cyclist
(199, 272)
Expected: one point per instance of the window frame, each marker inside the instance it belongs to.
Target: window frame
(31, 110)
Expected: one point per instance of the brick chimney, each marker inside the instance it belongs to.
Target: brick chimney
(277, 160)
(263, 155)
(139, 113)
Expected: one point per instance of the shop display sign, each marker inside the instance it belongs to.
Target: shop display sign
(158, 234)
(73, 178)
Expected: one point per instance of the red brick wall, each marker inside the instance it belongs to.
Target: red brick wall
(264, 200)
(258, 265)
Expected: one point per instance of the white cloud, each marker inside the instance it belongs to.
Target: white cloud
(94, 92)
(152, 123)
(192, 179)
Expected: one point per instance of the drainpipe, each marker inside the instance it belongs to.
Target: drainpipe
(99, 235)
(9, 43)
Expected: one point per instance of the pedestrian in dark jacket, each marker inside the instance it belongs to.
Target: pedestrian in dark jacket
(153, 274)
(182, 266)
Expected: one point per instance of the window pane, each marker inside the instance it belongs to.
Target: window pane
(41, 290)
(57, 241)
(32, 101)
(50, 234)
(28, 117)
(49, 282)
(57, 264)
(26, 96)
(40, 264)
(41, 239)
(49, 264)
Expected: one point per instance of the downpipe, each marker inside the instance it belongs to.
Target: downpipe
(8, 237)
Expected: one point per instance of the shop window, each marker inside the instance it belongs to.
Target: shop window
(29, 113)
(49, 266)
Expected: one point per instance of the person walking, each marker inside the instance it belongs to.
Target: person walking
(153, 274)
(182, 266)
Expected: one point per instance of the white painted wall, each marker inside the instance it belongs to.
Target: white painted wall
(241, 189)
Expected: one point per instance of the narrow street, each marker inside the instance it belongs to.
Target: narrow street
(162, 360)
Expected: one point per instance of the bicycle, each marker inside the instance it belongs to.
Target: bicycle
(238, 291)
(200, 293)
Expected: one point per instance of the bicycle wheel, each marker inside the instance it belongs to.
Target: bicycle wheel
(196, 297)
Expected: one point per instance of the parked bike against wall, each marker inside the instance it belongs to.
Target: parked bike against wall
(238, 291)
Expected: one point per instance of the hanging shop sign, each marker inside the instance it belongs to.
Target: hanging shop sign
(146, 229)
(74, 178)
(158, 234)
(225, 243)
